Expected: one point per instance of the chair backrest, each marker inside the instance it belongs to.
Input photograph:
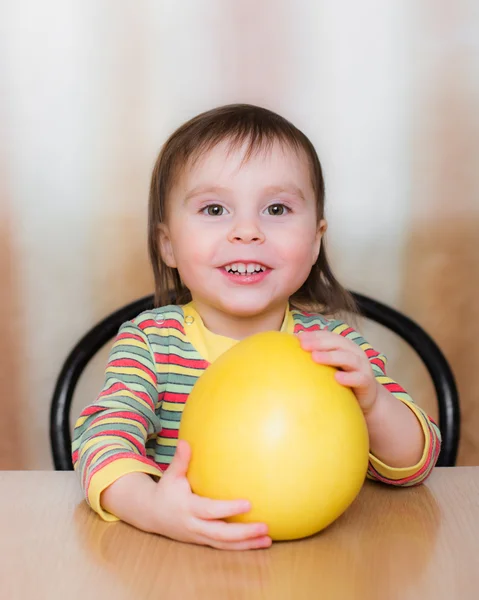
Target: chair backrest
(105, 330)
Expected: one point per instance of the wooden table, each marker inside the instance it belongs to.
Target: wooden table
(391, 544)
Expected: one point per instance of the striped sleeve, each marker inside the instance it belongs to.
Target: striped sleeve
(378, 470)
(109, 438)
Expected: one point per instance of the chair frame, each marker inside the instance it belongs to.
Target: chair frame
(428, 351)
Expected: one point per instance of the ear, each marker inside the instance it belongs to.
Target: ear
(320, 231)
(166, 249)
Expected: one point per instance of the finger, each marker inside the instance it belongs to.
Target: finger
(353, 379)
(338, 358)
(181, 460)
(326, 340)
(220, 531)
(252, 544)
(206, 508)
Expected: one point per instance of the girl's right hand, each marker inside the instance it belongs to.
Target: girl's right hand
(176, 512)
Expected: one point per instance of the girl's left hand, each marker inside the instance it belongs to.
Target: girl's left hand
(329, 348)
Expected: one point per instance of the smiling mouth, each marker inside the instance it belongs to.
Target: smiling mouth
(244, 268)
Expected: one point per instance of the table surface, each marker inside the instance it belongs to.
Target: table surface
(391, 544)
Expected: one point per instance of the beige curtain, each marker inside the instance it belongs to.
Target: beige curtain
(441, 266)
(89, 91)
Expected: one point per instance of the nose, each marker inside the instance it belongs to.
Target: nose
(246, 231)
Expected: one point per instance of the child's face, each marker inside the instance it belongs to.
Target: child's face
(226, 216)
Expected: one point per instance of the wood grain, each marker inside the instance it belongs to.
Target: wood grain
(391, 544)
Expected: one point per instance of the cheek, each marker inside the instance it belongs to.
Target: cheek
(298, 245)
(192, 245)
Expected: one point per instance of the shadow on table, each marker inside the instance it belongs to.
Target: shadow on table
(378, 549)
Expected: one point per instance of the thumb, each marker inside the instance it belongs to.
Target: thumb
(181, 460)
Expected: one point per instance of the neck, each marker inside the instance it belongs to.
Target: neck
(239, 327)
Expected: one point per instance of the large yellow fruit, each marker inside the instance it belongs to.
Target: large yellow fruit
(268, 424)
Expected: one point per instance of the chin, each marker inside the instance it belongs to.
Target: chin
(245, 308)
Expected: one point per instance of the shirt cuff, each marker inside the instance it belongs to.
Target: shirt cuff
(109, 474)
(404, 473)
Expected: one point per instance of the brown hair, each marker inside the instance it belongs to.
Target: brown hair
(259, 128)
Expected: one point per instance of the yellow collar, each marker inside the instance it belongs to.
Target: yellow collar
(211, 345)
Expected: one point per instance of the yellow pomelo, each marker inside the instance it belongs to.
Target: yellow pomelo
(268, 424)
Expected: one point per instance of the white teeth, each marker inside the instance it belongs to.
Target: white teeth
(243, 268)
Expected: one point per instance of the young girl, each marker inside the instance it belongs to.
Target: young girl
(236, 227)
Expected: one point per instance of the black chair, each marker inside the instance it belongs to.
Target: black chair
(98, 336)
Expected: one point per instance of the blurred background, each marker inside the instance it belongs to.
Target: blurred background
(388, 93)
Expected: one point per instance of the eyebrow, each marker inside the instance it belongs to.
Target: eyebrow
(203, 189)
(289, 188)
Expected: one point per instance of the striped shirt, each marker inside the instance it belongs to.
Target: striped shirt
(153, 366)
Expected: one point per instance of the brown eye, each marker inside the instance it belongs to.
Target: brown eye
(276, 210)
(214, 210)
